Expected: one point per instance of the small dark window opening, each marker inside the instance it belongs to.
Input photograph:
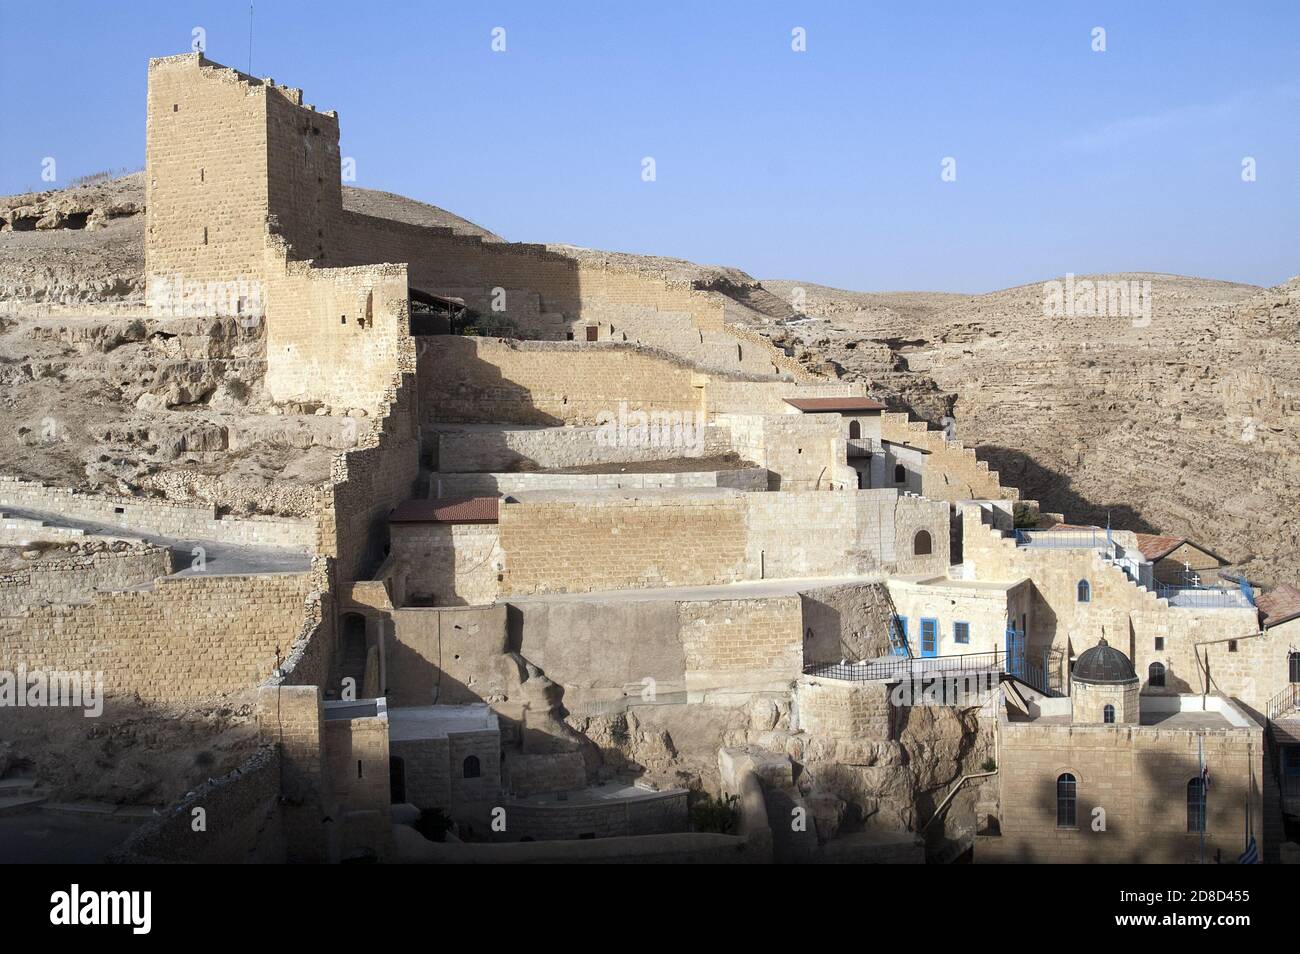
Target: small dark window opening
(343, 319)
(119, 510)
(900, 474)
(922, 545)
(1293, 663)
(175, 107)
(1156, 675)
(1108, 714)
(358, 768)
(1232, 645)
(1160, 643)
(855, 430)
(205, 235)
(470, 768)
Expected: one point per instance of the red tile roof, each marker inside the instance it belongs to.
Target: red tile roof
(1154, 546)
(842, 405)
(447, 510)
(1279, 604)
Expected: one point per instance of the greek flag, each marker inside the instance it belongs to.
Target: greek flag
(1251, 855)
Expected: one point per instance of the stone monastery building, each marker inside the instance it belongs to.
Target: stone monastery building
(625, 554)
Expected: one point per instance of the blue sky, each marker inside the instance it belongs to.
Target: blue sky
(821, 165)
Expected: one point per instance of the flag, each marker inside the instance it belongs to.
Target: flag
(1251, 855)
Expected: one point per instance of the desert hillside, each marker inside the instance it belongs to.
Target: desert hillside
(1185, 424)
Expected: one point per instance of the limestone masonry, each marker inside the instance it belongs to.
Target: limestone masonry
(600, 573)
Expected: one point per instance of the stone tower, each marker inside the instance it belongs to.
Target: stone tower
(229, 159)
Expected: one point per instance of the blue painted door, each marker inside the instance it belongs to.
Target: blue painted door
(898, 635)
(929, 637)
(1015, 664)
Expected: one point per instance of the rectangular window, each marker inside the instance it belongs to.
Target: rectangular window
(1293, 661)
(961, 633)
(1232, 645)
(929, 637)
(1160, 644)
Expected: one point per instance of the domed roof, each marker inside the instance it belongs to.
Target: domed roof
(1103, 664)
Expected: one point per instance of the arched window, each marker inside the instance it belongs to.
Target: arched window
(1156, 675)
(1108, 713)
(1083, 592)
(471, 768)
(900, 474)
(922, 545)
(1067, 790)
(855, 430)
(1293, 663)
(1196, 804)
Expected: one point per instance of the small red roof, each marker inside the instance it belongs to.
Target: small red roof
(447, 510)
(841, 405)
(1154, 546)
(1279, 604)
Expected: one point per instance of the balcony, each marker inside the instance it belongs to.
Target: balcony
(863, 447)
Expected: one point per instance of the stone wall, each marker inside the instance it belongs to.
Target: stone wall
(491, 485)
(543, 773)
(1139, 777)
(450, 564)
(241, 822)
(183, 639)
(951, 472)
(801, 452)
(496, 449)
(848, 711)
(186, 521)
(844, 533)
(624, 542)
(550, 820)
(741, 644)
(206, 168)
(447, 656)
(985, 609)
(78, 578)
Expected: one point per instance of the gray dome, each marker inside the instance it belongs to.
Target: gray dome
(1103, 664)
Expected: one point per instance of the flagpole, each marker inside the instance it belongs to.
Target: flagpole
(1205, 795)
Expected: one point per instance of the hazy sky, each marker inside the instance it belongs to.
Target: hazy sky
(823, 165)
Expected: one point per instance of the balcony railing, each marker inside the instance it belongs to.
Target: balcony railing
(1284, 702)
(1063, 539)
(914, 668)
(863, 447)
(1203, 597)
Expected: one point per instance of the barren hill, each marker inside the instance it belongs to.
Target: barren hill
(1186, 424)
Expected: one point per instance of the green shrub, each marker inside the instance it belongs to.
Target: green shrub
(715, 815)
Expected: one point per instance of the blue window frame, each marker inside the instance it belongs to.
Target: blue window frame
(961, 633)
(929, 637)
(898, 635)
(1084, 591)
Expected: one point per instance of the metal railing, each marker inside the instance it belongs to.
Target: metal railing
(1202, 597)
(1283, 702)
(1063, 539)
(862, 447)
(913, 668)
